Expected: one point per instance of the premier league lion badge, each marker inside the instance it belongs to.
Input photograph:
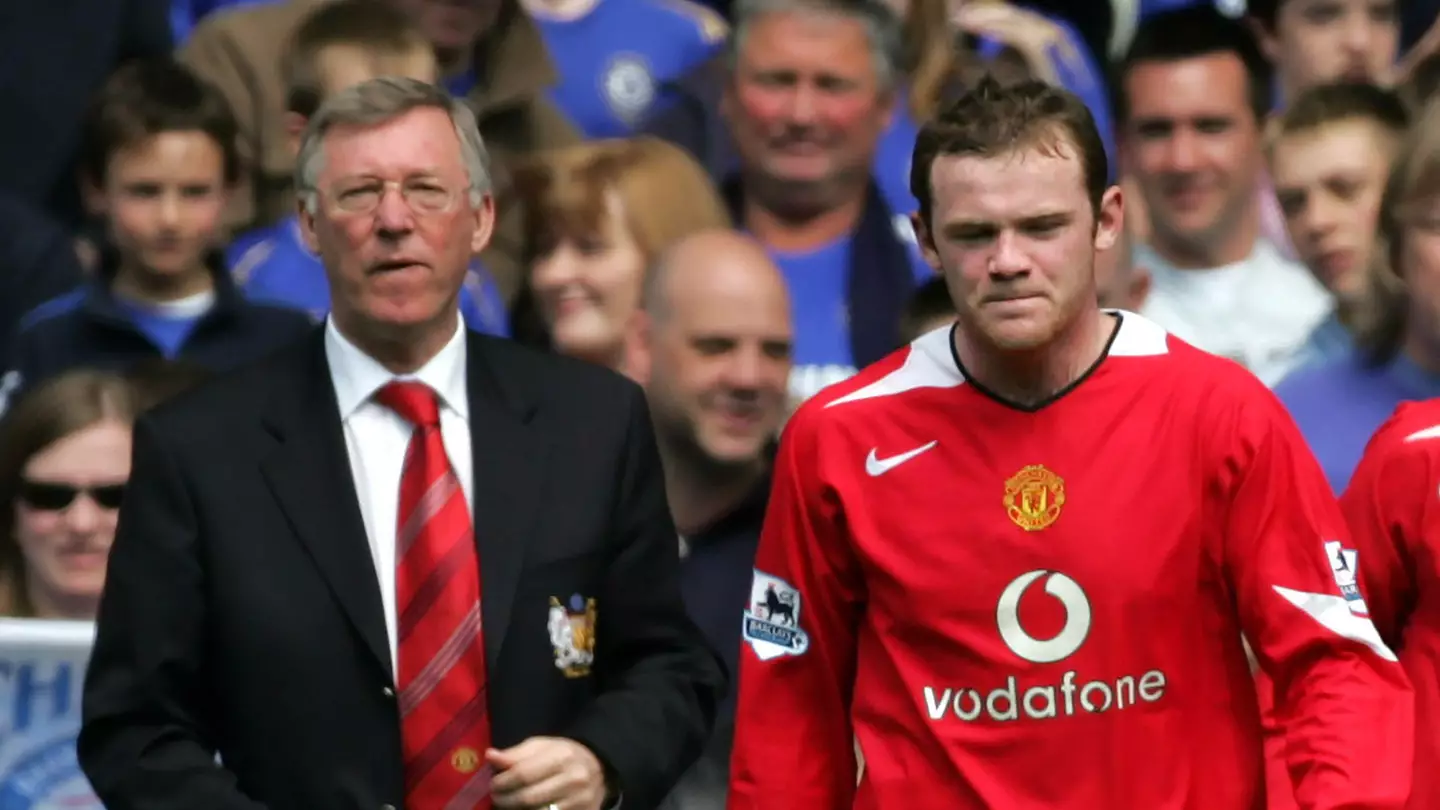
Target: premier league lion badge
(572, 634)
(772, 622)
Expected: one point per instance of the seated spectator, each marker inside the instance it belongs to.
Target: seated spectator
(712, 348)
(1315, 42)
(596, 215)
(1329, 156)
(342, 44)
(64, 461)
(935, 52)
(242, 53)
(612, 54)
(1193, 93)
(158, 161)
(804, 187)
(1339, 404)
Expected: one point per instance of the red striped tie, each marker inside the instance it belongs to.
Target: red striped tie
(445, 723)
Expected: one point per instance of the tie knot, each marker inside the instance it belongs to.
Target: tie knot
(414, 401)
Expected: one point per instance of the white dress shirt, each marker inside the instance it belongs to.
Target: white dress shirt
(376, 438)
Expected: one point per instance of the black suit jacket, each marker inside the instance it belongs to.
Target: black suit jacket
(242, 614)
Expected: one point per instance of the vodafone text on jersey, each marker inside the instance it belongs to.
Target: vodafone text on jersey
(1013, 700)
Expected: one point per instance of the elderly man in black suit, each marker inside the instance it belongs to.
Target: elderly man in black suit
(399, 564)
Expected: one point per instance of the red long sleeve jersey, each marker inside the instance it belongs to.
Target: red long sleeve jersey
(1393, 508)
(1014, 608)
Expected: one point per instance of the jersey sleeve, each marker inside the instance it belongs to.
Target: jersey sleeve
(1341, 699)
(1384, 507)
(794, 743)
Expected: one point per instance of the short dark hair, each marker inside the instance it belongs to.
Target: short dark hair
(992, 119)
(373, 26)
(1190, 33)
(1330, 103)
(150, 97)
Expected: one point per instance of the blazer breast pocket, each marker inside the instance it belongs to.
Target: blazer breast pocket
(566, 589)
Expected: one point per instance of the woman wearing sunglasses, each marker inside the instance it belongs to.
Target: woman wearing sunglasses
(64, 460)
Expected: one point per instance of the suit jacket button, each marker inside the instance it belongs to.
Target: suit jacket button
(390, 693)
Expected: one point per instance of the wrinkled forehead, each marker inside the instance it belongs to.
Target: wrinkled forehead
(419, 141)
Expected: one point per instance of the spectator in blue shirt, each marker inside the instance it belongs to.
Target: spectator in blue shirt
(158, 160)
(342, 44)
(1338, 405)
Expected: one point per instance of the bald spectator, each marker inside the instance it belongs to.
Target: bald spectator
(1120, 282)
(812, 89)
(1193, 94)
(242, 52)
(712, 349)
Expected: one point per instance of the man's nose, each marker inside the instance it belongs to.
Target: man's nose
(392, 213)
(1184, 153)
(1008, 259)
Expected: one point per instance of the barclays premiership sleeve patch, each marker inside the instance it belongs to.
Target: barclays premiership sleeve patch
(772, 620)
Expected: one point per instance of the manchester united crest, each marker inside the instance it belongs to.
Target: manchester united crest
(572, 634)
(1034, 497)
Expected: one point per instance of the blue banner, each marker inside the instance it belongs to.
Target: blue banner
(42, 670)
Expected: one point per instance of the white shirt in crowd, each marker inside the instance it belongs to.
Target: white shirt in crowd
(376, 438)
(1258, 312)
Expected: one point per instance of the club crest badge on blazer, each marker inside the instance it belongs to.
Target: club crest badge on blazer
(572, 634)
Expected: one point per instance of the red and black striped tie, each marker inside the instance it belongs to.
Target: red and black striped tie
(444, 719)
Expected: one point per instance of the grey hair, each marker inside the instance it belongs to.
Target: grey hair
(883, 29)
(380, 100)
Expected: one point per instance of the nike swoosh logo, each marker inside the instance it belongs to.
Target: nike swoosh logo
(879, 466)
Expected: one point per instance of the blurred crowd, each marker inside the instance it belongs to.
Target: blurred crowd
(1280, 165)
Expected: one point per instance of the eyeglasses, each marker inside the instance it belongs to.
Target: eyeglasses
(45, 496)
(423, 196)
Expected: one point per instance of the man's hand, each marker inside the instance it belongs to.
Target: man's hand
(542, 771)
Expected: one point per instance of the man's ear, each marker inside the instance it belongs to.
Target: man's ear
(1110, 219)
(484, 224)
(307, 226)
(925, 240)
(638, 357)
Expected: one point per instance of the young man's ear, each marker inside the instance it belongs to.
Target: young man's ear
(925, 240)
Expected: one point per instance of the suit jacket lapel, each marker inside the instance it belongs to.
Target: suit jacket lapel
(309, 473)
(509, 458)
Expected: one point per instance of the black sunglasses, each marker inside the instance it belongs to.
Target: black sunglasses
(49, 497)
